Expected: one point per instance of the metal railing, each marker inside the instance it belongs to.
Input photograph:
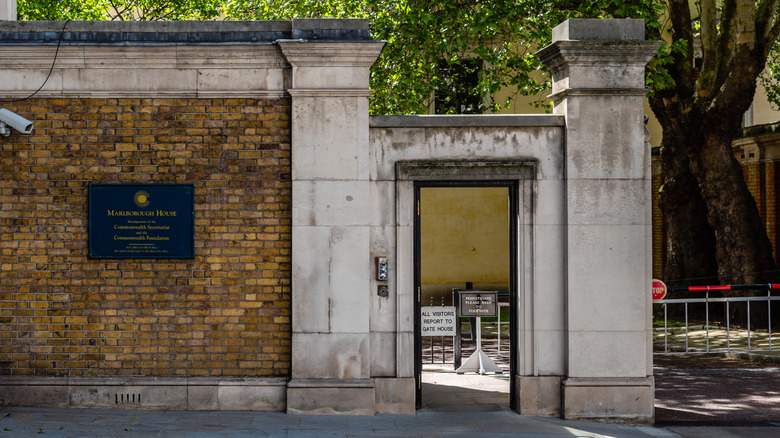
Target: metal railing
(447, 349)
(717, 339)
(438, 350)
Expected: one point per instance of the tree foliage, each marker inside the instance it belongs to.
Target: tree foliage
(720, 49)
(120, 10)
(770, 78)
(701, 82)
(425, 38)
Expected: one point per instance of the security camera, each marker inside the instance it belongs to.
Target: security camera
(8, 118)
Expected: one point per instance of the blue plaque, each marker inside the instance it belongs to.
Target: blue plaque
(141, 221)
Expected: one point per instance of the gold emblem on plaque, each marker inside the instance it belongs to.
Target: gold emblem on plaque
(141, 198)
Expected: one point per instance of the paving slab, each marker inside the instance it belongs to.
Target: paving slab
(29, 422)
(455, 406)
(707, 390)
(726, 432)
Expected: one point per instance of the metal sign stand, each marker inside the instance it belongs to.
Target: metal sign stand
(479, 361)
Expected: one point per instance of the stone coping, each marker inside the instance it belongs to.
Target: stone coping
(141, 381)
(180, 32)
(757, 130)
(331, 383)
(470, 121)
(607, 381)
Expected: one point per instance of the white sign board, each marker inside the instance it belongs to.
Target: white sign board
(438, 321)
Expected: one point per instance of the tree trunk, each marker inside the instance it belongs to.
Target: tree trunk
(699, 113)
(690, 257)
(743, 250)
(713, 222)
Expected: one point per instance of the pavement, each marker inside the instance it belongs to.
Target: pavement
(706, 395)
(41, 422)
(454, 406)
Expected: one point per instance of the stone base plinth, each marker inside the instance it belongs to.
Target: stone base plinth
(539, 395)
(625, 400)
(395, 395)
(331, 397)
(146, 393)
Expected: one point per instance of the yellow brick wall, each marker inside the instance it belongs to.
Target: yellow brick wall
(761, 178)
(772, 207)
(659, 234)
(224, 313)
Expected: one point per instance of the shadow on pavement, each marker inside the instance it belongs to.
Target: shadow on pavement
(716, 390)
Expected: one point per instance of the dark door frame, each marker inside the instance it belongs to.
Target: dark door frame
(513, 188)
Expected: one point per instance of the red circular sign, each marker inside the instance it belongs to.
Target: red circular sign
(659, 290)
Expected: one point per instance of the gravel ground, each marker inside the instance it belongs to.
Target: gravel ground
(715, 389)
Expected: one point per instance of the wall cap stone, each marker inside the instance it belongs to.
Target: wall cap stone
(590, 29)
(330, 29)
(471, 121)
(180, 32)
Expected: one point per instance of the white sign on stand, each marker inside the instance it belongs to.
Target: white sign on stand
(438, 321)
(478, 304)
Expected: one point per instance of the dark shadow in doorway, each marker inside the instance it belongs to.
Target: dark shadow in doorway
(445, 391)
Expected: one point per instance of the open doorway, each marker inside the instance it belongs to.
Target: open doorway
(465, 239)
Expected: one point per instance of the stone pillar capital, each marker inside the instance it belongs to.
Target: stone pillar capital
(321, 65)
(598, 56)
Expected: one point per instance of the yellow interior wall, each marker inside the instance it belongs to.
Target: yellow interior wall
(464, 235)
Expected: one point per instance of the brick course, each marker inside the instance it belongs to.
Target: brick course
(659, 228)
(761, 180)
(224, 313)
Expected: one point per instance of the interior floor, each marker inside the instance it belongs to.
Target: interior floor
(445, 390)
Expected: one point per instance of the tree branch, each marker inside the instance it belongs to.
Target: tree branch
(726, 47)
(737, 80)
(765, 14)
(681, 69)
(709, 27)
(772, 37)
(767, 25)
(116, 9)
(710, 48)
(745, 28)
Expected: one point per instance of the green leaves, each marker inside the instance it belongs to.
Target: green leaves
(287, 9)
(501, 35)
(422, 36)
(61, 9)
(658, 75)
(445, 34)
(118, 9)
(770, 78)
